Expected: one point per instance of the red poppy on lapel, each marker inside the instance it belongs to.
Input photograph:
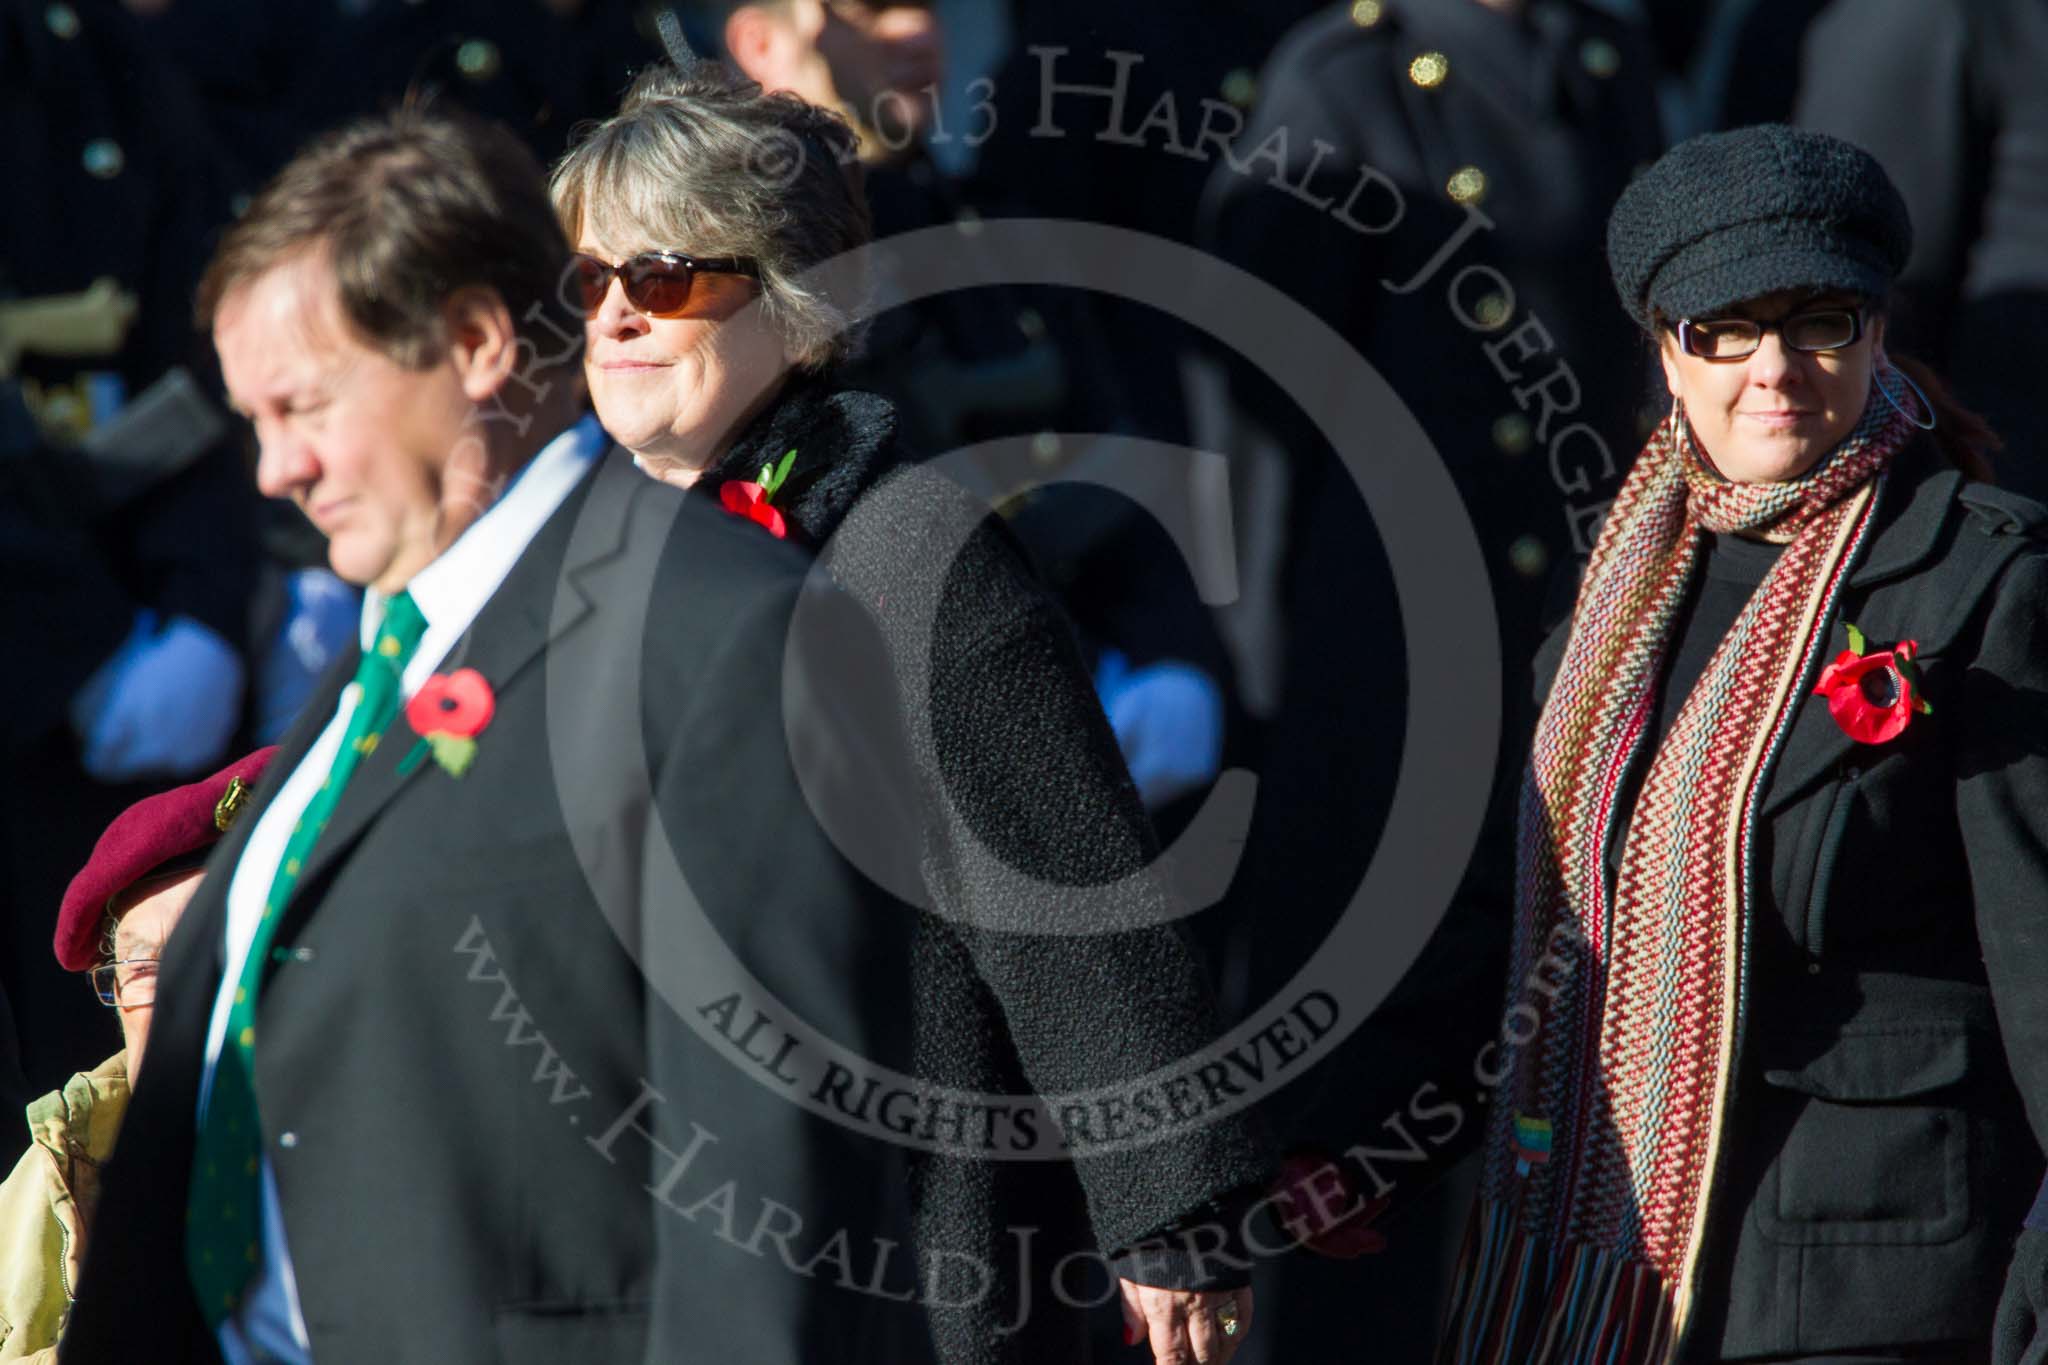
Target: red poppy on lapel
(756, 500)
(1873, 694)
(448, 712)
(750, 500)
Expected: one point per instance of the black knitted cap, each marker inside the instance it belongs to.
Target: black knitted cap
(1726, 217)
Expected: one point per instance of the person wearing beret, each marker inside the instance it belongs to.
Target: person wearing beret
(1775, 1075)
(116, 916)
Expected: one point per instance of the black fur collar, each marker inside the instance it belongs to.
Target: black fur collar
(844, 440)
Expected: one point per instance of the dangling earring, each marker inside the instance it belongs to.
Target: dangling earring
(1877, 382)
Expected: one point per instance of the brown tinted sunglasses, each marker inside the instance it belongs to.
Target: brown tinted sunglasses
(657, 283)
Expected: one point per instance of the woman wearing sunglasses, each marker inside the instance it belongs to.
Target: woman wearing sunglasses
(117, 914)
(1778, 1015)
(699, 213)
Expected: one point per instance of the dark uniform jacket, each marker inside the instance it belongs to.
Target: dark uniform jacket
(1890, 1090)
(499, 1127)
(1950, 98)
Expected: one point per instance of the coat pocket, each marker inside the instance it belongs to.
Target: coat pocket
(1875, 1150)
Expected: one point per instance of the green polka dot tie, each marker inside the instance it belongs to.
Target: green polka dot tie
(223, 1217)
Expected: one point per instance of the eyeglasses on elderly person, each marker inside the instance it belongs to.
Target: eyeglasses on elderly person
(661, 284)
(126, 989)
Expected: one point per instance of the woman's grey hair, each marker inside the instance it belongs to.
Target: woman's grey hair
(702, 161)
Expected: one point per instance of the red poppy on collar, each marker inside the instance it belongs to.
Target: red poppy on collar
(1873, 694)
(750, 500)
(448, 712)
(755, 500)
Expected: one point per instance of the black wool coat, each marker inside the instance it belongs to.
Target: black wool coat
(1889, 1103)
(1026, 805)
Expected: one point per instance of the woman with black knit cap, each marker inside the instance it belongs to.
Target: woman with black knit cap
(1778, 1011)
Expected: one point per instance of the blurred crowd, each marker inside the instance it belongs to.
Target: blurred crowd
(1428, 179)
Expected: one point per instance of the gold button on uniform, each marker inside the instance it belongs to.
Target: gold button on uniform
(1429, 69)
(478, 59)
(1467, 185)
(1492, 312)
(1529, 556)
(1512, 434)
(1366, 13)
(1240, 87)
(104, 158)
(1600, 57)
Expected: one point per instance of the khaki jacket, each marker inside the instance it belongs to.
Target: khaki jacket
(46, 1203)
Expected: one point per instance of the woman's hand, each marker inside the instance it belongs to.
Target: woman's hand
(1186, 1327)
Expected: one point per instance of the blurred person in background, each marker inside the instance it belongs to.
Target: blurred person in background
(1431, 178)
(1951, 99)
(117, 914)
(1003, 361)
(127, 531)
(269, 77)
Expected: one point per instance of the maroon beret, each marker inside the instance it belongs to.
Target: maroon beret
(155, 831)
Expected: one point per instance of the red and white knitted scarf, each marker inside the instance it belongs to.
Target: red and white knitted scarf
(1602, 1139)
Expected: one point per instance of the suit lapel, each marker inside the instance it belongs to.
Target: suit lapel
(538, 601)
(198, 944)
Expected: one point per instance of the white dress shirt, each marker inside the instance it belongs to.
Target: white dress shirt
(449, 593)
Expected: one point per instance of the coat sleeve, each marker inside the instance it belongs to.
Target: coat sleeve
(2002, 808)
(1039, 803)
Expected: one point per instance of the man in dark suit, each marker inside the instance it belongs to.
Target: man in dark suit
(430, 1079)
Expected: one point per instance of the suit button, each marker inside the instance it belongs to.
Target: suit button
(1366, 13)
(287, 1139)
(1467, 185)
(62, 20)
(1813, 969)
(302, 954)
(1429, 69)
(1512, 434)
